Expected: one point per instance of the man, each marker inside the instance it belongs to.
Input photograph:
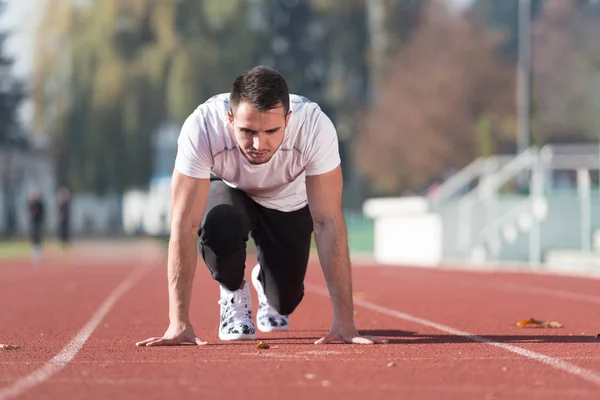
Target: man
(36, 211)
(64, 214)
(278, 175)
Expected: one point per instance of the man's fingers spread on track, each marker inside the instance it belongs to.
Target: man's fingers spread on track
(368, 340)
(324, 340)
(376, 339)
(163, 342)
(145, 342)
(351, 339)
(200, 342)
(361, 340)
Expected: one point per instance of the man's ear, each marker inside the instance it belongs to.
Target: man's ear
(287, 117)
(230, 117)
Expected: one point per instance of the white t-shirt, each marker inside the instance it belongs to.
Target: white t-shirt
(207, 145)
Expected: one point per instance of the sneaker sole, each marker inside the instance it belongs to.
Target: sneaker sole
(237, 336)
(268, 329)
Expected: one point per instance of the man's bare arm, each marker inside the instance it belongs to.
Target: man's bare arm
(189, 197)
(325, 202)
(331, 236)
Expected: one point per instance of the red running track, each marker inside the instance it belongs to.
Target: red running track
(452, 336)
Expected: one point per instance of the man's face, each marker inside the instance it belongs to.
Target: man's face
(259, 134)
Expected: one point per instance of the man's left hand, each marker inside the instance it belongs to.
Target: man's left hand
(347, 333)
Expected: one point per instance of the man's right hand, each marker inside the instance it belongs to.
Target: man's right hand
(177, 333)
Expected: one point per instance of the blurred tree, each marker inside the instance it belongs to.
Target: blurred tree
(354, 60)
(503, 15)
(50, 94)
(566, 77)
(566, 57)
(485, 136)
(445, 81)
(109, 73)
(12, 92)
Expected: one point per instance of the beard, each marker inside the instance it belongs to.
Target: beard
(255, 158)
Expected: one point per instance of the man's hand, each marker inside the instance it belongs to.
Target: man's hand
(347, 333)
(177, 333)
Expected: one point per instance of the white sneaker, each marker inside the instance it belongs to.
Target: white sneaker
(267, 318)
(236, 314)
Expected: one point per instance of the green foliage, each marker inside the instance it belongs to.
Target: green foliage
(485, 136)
(108, 73)
(119, 69)
(503, 15)
(12, 93)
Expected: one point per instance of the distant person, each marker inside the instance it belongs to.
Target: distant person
(64, 217)
(36, 222)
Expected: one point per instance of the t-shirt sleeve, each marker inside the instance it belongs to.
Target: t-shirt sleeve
(194, 157)
(322, 152)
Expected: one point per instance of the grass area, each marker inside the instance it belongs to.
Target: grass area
(361, 233)
(21, 248)
(14, 249)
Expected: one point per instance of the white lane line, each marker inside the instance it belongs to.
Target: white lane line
(64, 357)
(555, 363)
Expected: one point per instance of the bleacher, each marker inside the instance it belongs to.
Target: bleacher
(539, 207)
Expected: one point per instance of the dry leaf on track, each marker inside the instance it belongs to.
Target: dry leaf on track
(532, 322)
(8, 346)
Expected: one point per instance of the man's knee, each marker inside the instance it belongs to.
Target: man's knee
(230, 282)
(222, 244)
(224, 229)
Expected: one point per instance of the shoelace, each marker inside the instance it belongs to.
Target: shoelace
(234, 307)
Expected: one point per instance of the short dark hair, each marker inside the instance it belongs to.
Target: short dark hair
(263, 87)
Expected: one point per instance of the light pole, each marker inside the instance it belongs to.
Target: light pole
(524, 77)
(376, 15)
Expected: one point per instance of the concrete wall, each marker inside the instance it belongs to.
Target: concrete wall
(407, 232)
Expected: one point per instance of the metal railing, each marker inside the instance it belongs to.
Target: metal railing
(485, 195)
(534, 168)
(463, 180)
